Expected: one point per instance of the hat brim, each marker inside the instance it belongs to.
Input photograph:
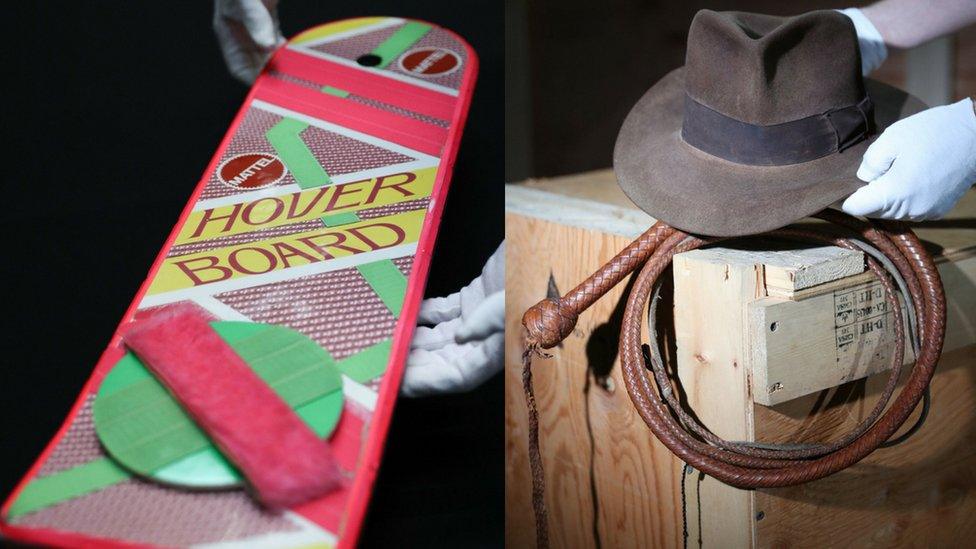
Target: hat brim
(703, 194)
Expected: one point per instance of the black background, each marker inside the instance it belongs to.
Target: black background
(111, 112)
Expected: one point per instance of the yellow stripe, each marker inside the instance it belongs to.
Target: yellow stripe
(306, 205)
(329, 29)
(295, 250)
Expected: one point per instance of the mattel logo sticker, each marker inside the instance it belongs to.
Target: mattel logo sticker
(430, 62)
(251, 171)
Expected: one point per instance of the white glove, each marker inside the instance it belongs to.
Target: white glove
(869, 41)
(248, 34)
(920, 166)
(466, 345)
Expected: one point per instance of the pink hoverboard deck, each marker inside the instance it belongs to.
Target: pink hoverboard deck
(307, 244)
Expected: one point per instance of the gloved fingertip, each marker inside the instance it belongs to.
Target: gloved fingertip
(486, 319)
(866, 173)
(439, 309)
(862, 202)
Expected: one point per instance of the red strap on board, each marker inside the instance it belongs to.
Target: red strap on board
(282, 459)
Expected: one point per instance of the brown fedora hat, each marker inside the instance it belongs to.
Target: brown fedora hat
(765, 124)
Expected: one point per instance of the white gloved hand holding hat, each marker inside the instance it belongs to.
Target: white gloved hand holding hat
(922, 165)
(464, 345)
(919, 167)
(248, 33)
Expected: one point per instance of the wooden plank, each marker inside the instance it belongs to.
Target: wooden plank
(921, 493)
(801, 347)
(713, 368)
(576, 212)
(807, 345)
(610, 483)
(790, 270)
(950, 238)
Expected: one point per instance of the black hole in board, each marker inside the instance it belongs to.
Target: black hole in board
(369, 60)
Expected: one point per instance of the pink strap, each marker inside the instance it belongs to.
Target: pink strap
(284, 461)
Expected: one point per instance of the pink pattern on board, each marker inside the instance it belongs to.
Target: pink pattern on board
(78, 446)
(337, 309)
(438, 38)
(337, 154)
(353, 47)
(392, 209)
(143, 512)
(356, 46)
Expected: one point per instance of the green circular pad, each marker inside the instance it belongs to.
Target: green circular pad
(143, 427)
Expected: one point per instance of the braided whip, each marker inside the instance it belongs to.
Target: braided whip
(743, 465)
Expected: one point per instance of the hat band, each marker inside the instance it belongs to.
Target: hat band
(783, 144)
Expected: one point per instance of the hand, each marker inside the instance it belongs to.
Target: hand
(248, 34)
(869, 41)
(920, 166)
(466, 345)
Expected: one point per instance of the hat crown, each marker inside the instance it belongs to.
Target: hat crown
(766, 70)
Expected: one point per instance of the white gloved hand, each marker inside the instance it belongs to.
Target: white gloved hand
(869, 41)
(920, 166)
(465, 346)
(248, 34)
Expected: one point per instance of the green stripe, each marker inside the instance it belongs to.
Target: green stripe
(285, 137)
(335, 91)
(338, 219)
(368, 364)
(68, 484)
(400, 41)
(388, 283)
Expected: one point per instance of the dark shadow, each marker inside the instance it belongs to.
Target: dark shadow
(601, 352)
(603, 345)
(589, 433)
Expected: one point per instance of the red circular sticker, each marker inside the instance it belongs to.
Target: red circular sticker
(251, 171)
(430, 62)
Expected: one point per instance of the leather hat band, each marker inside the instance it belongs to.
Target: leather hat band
(783, 144)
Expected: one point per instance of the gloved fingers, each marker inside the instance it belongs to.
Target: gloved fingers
(439, 336)
(260, 21)
(243, 61)
(465, 301)
(879, 157)
(248, 32)
(884, 198)
(435, 310)
(487, 318)
(868, 201)
(454, 368)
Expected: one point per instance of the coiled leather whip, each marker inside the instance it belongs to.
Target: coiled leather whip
(895, 255)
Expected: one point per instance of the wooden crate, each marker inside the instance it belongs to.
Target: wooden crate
(610, 483)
